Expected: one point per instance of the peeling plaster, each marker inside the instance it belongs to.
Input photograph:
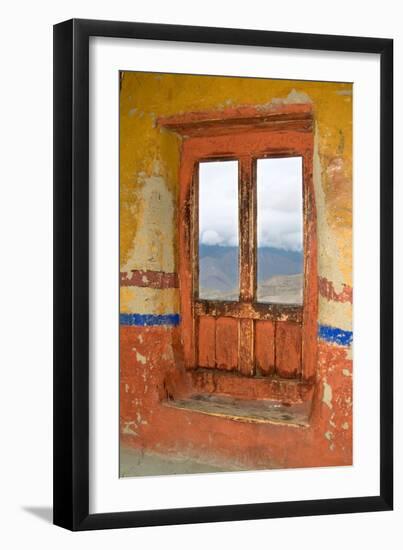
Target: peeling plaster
(149, 187)
(337, 314)
(328, 260)
(127, 429)
(149, 300)
(140, 358)
(327, 395)
(152, 246)
(293, 97)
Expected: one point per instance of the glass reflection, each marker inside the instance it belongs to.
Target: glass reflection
(280, 230)
(218, 231)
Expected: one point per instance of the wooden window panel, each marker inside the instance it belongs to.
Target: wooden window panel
(227, 343)
(288, 350)
(287, 132)
(264, 347)
(207, 342)
(245, 310)
(246, 355)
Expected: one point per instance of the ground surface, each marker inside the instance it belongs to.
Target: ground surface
(134, 462)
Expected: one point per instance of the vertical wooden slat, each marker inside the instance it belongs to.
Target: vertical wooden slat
(207, 342)
(195, 258)
(246, 363)
(186, 260)
(310, 312)
(247, 261)
(288, 350)
(264, 347)
(247, 230)
(227, 343)
(195, 231)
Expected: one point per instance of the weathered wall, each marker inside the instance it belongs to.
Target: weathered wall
(149, 166)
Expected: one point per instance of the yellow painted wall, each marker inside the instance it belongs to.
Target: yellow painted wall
(149, 165)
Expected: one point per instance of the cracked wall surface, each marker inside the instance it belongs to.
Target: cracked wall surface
(150, 315)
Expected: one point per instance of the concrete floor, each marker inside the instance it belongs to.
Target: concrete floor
(134, 462)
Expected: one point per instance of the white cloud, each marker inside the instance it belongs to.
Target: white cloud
(279, 208)
(279, 212)
(218, 203)
(211, 237)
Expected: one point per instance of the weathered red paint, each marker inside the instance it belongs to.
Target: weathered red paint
(327, 290)
(278, 345)
(240, 119)
(209, 381)
(288, 350)
(227, 339)
(207, 343)
(291, 135)
(264, 347)
(147, 424)
(149, 279)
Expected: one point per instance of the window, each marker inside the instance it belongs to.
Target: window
(218, 230)
(247, 232)
(279, 185)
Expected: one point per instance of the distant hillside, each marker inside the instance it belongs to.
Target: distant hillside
(219, 271)
(284, 289)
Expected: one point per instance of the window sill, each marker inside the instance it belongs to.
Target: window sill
(257, 411)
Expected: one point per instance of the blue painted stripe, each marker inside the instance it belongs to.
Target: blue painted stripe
(335, 335)
(327, 333)
(149, 320)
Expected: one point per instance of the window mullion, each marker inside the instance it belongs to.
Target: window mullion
(247, 230)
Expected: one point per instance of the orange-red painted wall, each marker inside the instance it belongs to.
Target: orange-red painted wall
(149, 355)
(147, 424)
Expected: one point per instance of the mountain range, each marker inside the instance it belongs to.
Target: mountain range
(279, 273)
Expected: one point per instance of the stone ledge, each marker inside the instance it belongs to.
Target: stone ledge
(257, 411)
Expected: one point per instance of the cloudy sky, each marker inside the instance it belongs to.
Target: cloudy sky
(279, 198)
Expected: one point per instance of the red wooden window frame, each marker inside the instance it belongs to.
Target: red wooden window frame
(246, 135)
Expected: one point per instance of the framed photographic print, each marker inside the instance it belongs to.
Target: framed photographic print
(220, 195)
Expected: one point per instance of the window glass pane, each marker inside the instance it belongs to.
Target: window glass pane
(280, 230)
(218, 231)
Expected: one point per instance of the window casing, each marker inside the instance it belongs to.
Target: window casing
(248, 338)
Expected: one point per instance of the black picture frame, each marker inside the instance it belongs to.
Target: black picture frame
(71, 274)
